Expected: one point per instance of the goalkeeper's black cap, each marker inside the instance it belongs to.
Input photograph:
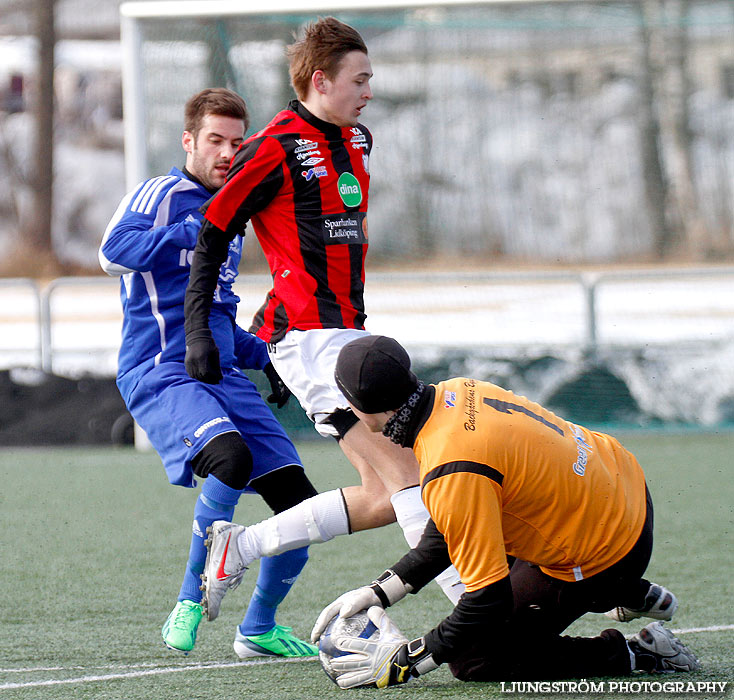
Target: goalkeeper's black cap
(374, 374)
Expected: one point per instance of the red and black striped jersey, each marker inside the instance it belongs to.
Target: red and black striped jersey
(303, 183)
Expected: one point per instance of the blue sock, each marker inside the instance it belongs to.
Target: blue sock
(216, 502)
(277, 576)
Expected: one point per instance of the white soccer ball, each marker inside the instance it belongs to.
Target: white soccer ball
(357, 625)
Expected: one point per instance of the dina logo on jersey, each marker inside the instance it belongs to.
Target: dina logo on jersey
(349, 190)
(449, 399)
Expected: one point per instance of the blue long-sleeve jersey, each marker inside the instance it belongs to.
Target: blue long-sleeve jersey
(150, 243)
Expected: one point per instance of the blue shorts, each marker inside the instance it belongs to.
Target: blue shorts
(180, 415)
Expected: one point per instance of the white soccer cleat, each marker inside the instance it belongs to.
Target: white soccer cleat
(224, 567)
(657, 650)
(660, 604)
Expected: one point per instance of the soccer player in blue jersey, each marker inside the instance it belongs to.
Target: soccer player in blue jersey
(223, 433)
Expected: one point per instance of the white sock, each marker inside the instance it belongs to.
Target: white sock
(411, 513)
(317, 519)
(450, 583)
(412, 517)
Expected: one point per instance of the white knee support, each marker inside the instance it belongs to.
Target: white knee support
(317, 519)
(412, 517)
(411, 514)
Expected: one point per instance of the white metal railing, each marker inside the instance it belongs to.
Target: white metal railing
(594, 282)
(46, 316)
(14, 315)
(588, 310)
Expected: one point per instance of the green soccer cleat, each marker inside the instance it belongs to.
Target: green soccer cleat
(179, 631)
(278, 642)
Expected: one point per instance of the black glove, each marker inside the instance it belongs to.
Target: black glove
(202, 357)
(410, 660)
(281, 393)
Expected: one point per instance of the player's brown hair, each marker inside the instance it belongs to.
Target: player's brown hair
(322, 47)
(218, 101)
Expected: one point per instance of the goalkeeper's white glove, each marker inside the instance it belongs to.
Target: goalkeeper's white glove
(384, 591)
(388, 660)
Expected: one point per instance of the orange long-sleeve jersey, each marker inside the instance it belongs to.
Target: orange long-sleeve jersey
(502, 475)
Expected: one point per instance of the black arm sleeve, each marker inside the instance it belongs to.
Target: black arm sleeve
(426, 560)
(212, 246)
(478, 614)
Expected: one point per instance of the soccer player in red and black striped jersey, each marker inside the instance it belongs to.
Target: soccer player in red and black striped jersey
(302, 182)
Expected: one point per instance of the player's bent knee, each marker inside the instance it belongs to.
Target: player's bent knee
(384, 511)
(226, 457)
(474, 668)
(284, 488)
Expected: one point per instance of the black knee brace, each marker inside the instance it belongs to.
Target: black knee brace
(228, 458)
(343, 419)
(284, 488)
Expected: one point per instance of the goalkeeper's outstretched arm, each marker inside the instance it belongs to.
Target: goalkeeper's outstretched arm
(417, 568)
(392, 659)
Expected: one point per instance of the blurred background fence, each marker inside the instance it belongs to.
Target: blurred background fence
(552, 192)
(645, 348)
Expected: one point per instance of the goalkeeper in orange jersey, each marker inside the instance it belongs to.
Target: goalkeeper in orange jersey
(544, 520)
